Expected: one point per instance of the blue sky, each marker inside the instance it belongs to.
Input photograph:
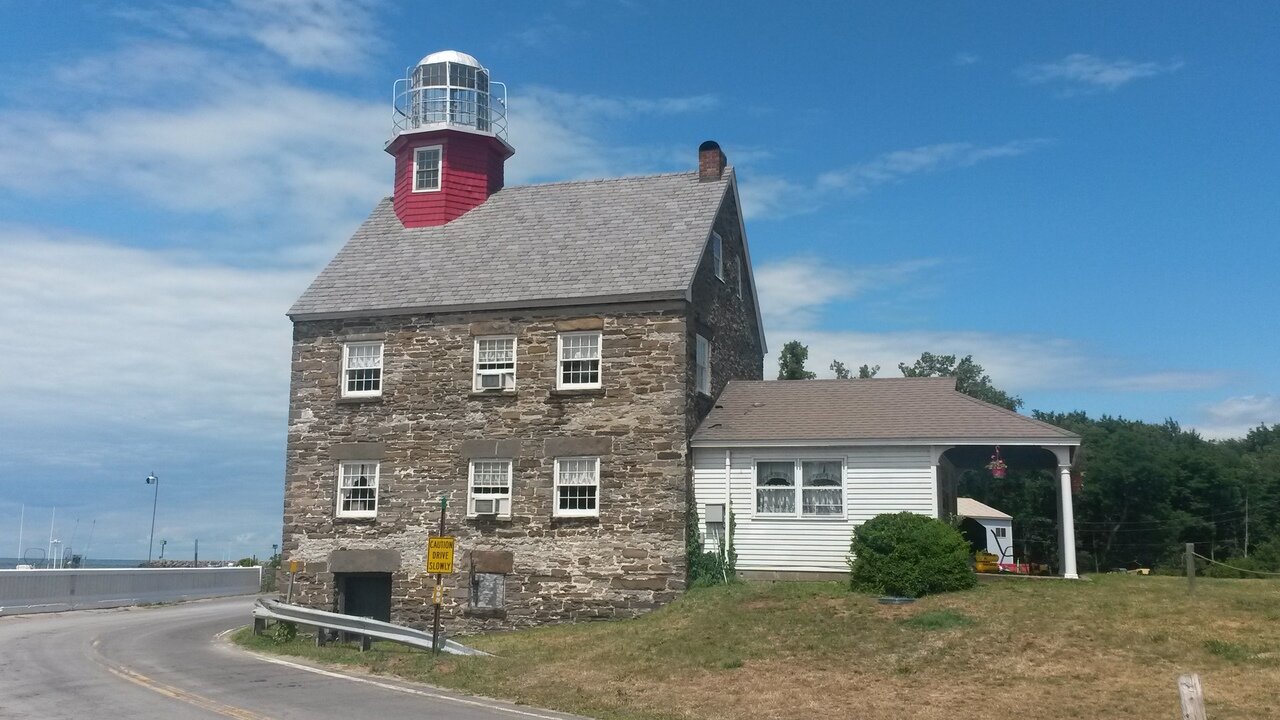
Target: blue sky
(1083, 196)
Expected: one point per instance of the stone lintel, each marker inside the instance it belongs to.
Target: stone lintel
(494, 327)
(492, 561)
(364, 561)
(361, 337)
(591, 323)
(358, 451)
(489, 449)
(569, 447)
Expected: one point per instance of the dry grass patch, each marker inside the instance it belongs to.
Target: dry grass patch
(1034, 650)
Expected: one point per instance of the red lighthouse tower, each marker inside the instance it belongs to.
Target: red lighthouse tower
(450, 139)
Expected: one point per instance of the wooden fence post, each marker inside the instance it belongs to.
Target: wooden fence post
(1192, 697)
(1191, 567)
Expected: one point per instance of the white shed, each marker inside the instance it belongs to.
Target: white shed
(996, 527)
(798, 464)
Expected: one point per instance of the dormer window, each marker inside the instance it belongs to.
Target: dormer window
(426, 168)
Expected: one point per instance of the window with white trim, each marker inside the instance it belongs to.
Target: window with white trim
(998, 532)
(819, 491)
(358, 488)
(577, 487)
(361, 369)
(702, 365)
(489, 488)
(495, 363)
(579, 360)
(717, 255)
(426, 168)
(737, 267)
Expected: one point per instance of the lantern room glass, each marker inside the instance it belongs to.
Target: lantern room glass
(449, 93)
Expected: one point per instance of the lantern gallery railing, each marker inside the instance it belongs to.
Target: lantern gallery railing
(421, 108)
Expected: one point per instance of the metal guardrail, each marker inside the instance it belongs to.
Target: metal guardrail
(267, 609)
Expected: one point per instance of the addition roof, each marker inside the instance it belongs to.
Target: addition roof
(894, 410)
(970, 508)
(617, 240)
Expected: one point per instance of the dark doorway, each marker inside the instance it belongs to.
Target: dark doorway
(365, 595)
(975, 533)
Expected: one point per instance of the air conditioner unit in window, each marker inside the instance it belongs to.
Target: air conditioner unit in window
(490, 382)
(485, 506)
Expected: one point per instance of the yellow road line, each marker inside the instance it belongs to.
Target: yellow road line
(182, 695)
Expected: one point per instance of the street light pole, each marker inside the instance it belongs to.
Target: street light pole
(153, 480)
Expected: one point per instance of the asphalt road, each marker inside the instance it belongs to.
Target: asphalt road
(169, 663)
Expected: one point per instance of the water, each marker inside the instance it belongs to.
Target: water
(11, 563)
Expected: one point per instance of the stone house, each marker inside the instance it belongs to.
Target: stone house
(538, 356)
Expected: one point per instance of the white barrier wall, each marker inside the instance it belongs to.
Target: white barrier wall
(32, 591)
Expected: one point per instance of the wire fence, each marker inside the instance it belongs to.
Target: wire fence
(1233, 567)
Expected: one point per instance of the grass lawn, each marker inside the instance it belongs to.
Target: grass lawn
(1111, 647)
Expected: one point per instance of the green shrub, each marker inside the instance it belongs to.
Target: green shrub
(909, 555)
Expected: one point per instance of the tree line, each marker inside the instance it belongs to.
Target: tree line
(1148, 488)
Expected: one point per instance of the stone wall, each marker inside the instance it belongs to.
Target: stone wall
(427, 423)
(725, 319)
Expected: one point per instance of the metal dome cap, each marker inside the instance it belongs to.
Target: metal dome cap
(452, 56)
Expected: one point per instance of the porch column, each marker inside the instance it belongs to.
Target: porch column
(1067, 524)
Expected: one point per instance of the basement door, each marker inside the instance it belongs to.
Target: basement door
(365, 595)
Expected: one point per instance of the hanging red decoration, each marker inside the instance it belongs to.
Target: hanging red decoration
(997, 466)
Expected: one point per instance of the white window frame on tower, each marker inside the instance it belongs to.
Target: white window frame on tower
(702, 364)
(439, 150)
(562, 361)
(349, 373)
(505, 372)
(593, 463)
(350, 482)
(717, 255)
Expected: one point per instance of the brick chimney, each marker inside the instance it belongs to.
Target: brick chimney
(711, 161)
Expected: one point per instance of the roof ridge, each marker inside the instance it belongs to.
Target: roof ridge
(588, 181)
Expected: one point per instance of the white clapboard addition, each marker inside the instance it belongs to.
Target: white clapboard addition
(877, 479)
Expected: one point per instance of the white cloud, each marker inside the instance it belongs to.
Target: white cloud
(1081, 72)
(797, 293)
(150, 339)
(335, 35)
(895, 166)
(1235, 416)
(561, 136)
(964, 58)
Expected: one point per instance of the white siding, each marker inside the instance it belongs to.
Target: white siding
(877, 480)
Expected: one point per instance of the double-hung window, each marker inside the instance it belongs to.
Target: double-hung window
(358, 488)
(717, 255)
(577, 487)
(426, 168)
(702, 365)
(361, 369)
(495, 363)
(579, 363)
(489, 487)
(800, 488)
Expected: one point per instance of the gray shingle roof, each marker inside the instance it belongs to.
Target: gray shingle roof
(597, 240)
(893, 409)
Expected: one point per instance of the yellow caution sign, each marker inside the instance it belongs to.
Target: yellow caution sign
(293, 566)
(440, 555)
